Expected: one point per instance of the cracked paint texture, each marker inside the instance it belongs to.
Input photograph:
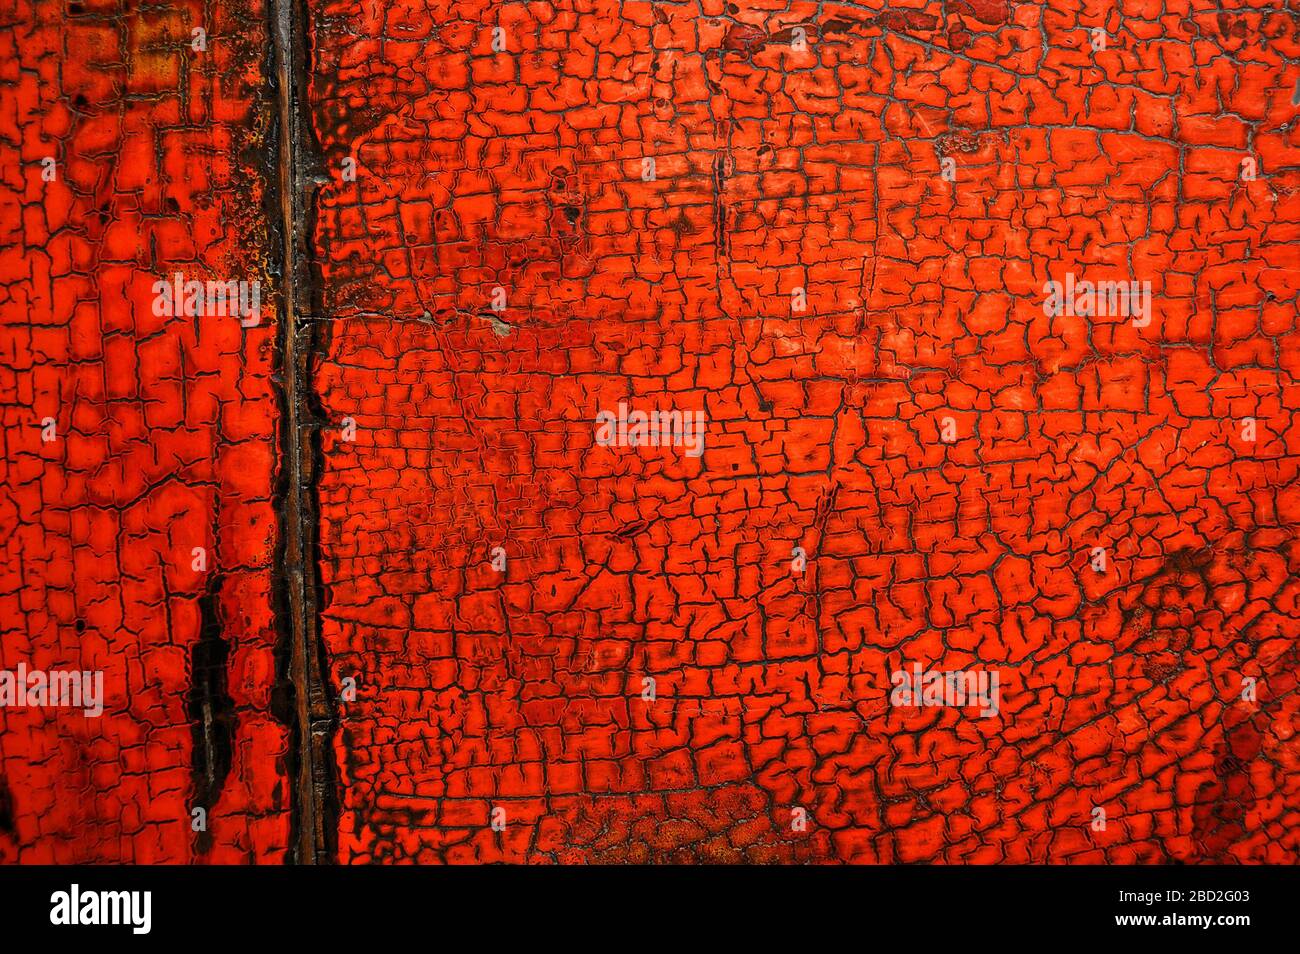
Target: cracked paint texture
(164, 436)
(521, 169)
(798, 268)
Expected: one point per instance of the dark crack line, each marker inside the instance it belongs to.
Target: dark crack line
(304, 700)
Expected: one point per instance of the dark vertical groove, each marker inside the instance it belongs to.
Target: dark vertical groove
(210, 709)
(6, 807)
(303, 699)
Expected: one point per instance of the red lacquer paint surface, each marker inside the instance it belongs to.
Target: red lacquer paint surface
(164, 436)
(828, 228)
(819, 169)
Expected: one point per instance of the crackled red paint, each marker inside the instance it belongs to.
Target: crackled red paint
(164, 432)
(884, 394)
(775, 169)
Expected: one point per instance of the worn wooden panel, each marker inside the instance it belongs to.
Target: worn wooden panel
(164, 434)
(449, 612)
(883, 388)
